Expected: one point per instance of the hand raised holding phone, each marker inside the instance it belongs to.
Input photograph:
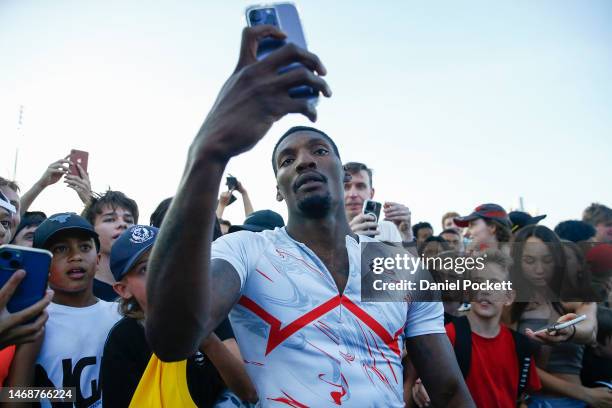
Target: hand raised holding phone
(256, 95)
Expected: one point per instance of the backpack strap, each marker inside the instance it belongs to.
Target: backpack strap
(524, 353)
(463, 344)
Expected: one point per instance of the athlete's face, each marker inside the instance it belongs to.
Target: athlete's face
(309, 175)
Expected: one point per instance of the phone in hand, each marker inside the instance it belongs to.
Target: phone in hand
(36, 263)
(372, 207)
(285, 16)
(78, 157)
(231, 182)
(561, 325)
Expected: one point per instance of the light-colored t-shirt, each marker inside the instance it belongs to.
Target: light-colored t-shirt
(304, 344)
(71, 352)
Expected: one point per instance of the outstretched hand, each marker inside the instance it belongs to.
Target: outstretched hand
(256, 95)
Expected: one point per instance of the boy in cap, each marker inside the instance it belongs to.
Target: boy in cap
(78, 324)
(129, 365)
(24, 235)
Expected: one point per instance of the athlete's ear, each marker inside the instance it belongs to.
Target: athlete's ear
(279, 196)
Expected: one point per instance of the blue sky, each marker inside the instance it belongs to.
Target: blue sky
(451, 103)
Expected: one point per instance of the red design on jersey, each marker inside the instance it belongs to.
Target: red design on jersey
(284, 254)
(278, 335)
(264, 275)
(287, 399)
(337, 395)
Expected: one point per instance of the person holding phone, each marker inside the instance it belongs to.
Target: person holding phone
(305, 273)
(226, 198)
(395, 227)
(53, 173)
(540, 264)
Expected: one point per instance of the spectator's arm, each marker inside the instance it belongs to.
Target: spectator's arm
(52, 174)
(585, 332)
(223, 202)
(435, 362)
(80, 184)
(226, 358)
(246, 200)
(598, 397)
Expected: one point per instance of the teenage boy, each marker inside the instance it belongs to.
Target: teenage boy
(110, 213)
(24, 235)
(78, 324)
(496, 362)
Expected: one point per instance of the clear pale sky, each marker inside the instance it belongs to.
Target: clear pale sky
(451, 103)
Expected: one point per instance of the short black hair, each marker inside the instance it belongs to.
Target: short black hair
(114, 199)
(302, 129)
(356, 167)
(575, 231)
(450, 231)
(420, 226)
(158, 215)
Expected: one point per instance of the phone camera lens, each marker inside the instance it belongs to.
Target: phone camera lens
(15, 264)
(255, 16)
(6, 255)
(271, 19)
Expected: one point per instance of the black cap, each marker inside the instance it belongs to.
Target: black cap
(521, 219)
(260, 221)
(29, 219)
(63, 222)
(485, 211)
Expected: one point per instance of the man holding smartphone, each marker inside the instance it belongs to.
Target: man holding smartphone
(395, 227)
(299, 349)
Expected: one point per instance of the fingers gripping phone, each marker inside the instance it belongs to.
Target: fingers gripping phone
(232, 184)
(36, 263)
(284, 16)
(562, 325)
(78, 157)
(372, 207)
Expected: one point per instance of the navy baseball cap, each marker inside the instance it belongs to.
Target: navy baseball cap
(260, 221)
(521, 219)
(63, 222)
(485, 211)
(130, 245)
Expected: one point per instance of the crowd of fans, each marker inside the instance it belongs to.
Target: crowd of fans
(91, 329)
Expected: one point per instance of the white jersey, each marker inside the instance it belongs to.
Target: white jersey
(71, 352)
(303, 343)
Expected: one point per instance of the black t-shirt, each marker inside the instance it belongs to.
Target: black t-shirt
(127, 353)
(104, 291)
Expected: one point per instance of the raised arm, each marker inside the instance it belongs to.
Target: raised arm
(188, 295)
(435, 362)
(52, 175)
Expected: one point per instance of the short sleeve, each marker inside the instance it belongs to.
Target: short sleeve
(240, 249)
(424, 318)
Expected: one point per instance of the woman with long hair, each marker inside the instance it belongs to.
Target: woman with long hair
(540, 276)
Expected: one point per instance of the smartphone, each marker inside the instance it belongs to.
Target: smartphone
(605, 384)
(78, 157)
(285, 16)
(231, 182)
(563, 325)
(372, 207)
(36, 263)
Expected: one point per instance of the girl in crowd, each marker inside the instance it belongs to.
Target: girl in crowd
(539, 274)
